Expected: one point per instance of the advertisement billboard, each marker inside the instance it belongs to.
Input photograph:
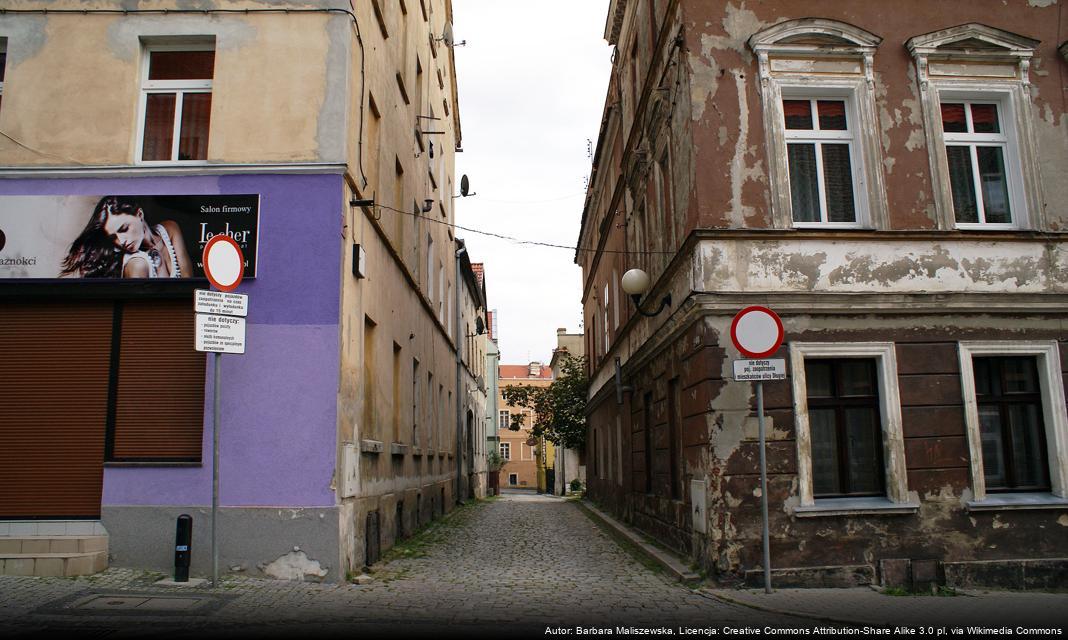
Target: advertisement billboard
(121, 236)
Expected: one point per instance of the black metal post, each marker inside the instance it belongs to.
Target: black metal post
(183, 547)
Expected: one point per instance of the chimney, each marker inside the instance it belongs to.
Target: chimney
(535, 369)
(561, 331)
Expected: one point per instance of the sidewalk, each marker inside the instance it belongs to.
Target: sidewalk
(865, 606)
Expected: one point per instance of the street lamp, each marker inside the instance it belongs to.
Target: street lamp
(635, 283)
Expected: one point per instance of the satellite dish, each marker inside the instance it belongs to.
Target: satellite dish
(446, 35)
(465, 186)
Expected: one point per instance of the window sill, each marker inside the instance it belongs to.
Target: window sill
(398, 449)
(1017, 501)
(120, 464)
(842, 226)
(988, 226)
(171, 163)
(854, 507)
(371, 446)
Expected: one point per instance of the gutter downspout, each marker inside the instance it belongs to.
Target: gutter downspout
(457, 332)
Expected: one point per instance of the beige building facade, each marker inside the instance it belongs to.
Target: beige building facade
(519, 448)
(569, 464)
(340, 122)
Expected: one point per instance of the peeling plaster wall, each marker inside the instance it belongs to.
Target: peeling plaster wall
(726, 113)
(867, 266)
(926, 290)
(411, 309)
(250, 540)
(419, 505)
(94, 90)
(719, 440)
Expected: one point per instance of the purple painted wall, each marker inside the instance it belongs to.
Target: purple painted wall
(279, 399)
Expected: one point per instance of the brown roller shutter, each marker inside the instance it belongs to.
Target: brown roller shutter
(54, 362)
(159, 412)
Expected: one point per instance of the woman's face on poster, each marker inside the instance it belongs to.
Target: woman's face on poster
(126, 231)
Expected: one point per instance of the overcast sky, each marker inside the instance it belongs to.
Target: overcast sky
(532, 81)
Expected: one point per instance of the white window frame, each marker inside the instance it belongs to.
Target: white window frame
(430, 269)
(1005, 140)
(897, 499)
(950, 72)
(817, 137)
(506, 450)
(604, 326)
(513, 479)
(842, 68)
(441, 290)
(1054, 418)
(177, 87)
(615, 298)
(504, 419)
(1008, 140)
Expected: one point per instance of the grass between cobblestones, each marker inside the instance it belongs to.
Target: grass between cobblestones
(642, 557)
(419, 544)
(632, 550)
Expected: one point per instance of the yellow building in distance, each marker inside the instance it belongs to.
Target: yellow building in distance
(526, 457)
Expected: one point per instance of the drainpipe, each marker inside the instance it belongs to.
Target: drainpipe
(457, 332)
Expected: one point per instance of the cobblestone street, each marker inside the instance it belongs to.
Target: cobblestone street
(522, 562)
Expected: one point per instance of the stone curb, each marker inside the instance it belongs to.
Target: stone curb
(673, 564)
(719, 595)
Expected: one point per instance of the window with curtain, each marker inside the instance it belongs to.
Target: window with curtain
(975, 153)
(176, 96)
(846, 436)
(819, 148)
(1012, 432)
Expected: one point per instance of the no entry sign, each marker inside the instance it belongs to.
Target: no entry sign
(757, 332)
(224, 264)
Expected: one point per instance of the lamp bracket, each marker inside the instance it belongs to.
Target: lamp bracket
(664, 303)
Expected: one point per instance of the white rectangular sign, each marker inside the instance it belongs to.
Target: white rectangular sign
(219, 303)
(220, 334)
(757, 370)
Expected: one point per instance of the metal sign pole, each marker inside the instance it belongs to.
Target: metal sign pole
(215, 478)
(764, 488)
(224, 266)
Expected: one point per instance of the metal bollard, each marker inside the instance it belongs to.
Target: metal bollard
(183, 548)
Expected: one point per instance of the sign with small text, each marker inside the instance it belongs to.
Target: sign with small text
(220, 334)
(219, 303)
(757, 370)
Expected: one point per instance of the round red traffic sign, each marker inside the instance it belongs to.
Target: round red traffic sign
(224, 264)
(757, 332)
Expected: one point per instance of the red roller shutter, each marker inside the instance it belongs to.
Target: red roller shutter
(54, 365)
(159, 413)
